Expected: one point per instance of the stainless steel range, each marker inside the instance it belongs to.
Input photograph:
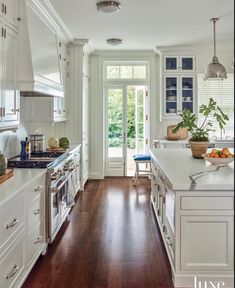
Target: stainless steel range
(61, 190)
(62, 180)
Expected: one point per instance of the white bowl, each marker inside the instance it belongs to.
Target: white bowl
(218, 161)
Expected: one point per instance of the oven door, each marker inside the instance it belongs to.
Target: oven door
(58, 205)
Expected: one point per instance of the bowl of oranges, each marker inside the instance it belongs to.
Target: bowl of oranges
(219, 157)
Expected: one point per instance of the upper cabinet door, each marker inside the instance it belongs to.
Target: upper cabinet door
(171, 63)
(179, 64)
(1, 73)
(187, 64)
(10, 94)
(9, 10)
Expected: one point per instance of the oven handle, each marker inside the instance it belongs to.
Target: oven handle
(61, 185)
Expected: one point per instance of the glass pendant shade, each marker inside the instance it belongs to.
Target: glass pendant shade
(215, 70)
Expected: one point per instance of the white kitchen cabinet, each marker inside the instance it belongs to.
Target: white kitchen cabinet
(197, 226)
(22, 232)
(12, 241)
(9, 95)
(36, 219)
(76, 176)
(209, 238)
(179, 93)
(9, 12)
(79, 103)
(178, 85)
(60, 113)
(178, 64)
(43, 109)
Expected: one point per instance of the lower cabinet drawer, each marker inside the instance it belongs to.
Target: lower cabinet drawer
(170, 241)
(35, 213)
(35, 242)
(12, 220)
(12, 265)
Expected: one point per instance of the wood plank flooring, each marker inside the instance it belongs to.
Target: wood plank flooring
(110, 240)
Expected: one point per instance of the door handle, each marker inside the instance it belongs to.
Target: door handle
(124, 137)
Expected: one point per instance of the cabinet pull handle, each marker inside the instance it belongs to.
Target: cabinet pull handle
(37, 189)
(13, 223)
(5, 33)
(2, 32)
(37, 212)
(13, 272)
(38, 240)
(3, 8)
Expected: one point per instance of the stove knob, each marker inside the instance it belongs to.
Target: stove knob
(54, 177)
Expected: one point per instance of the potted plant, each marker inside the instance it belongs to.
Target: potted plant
(199, 133)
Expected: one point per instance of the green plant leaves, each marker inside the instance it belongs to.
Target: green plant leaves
(189, 121)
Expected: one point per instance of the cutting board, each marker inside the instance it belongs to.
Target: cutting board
(9, 174)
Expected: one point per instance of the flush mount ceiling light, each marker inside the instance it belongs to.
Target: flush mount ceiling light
(215, 70)
(114, 41)
(108, 6)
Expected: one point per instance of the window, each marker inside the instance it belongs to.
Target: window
(114, 72)
(223, 93)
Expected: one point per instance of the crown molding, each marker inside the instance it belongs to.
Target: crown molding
(48, 14)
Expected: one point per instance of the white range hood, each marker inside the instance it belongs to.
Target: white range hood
(39, 62)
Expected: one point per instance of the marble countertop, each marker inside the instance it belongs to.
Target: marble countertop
(183, 172)
(21, 178)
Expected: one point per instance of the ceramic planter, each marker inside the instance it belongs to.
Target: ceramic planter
(198, 148)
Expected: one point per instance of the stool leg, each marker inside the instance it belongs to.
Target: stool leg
(136, 173)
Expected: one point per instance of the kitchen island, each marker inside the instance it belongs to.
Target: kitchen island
(193, 204)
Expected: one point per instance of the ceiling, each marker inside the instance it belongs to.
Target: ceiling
(146, 24)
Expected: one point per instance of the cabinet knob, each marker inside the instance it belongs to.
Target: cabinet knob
(38, 240)
(37, 212)
(37, 189)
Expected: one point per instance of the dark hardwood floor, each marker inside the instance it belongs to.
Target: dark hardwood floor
(110, 240)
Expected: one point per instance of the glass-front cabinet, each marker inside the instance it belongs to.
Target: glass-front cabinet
(179, 94)
(177, 64)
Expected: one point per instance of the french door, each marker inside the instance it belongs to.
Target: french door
(127, 127)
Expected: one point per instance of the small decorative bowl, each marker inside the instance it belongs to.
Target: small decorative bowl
(218, 161)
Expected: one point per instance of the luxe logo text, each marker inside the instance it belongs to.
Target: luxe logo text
(208, 284)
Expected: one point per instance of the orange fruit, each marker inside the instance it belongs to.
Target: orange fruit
(216, 156)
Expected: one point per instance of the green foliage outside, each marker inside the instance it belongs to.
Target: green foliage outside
(115, 113)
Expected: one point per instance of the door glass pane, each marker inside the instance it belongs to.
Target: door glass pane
(126, 72)
(113, 72)
(139, 72)
(140, 122)
(115, 122)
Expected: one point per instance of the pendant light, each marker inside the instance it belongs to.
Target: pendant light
(108, 6)
(215, 70)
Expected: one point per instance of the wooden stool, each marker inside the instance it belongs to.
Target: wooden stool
(139, 159)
